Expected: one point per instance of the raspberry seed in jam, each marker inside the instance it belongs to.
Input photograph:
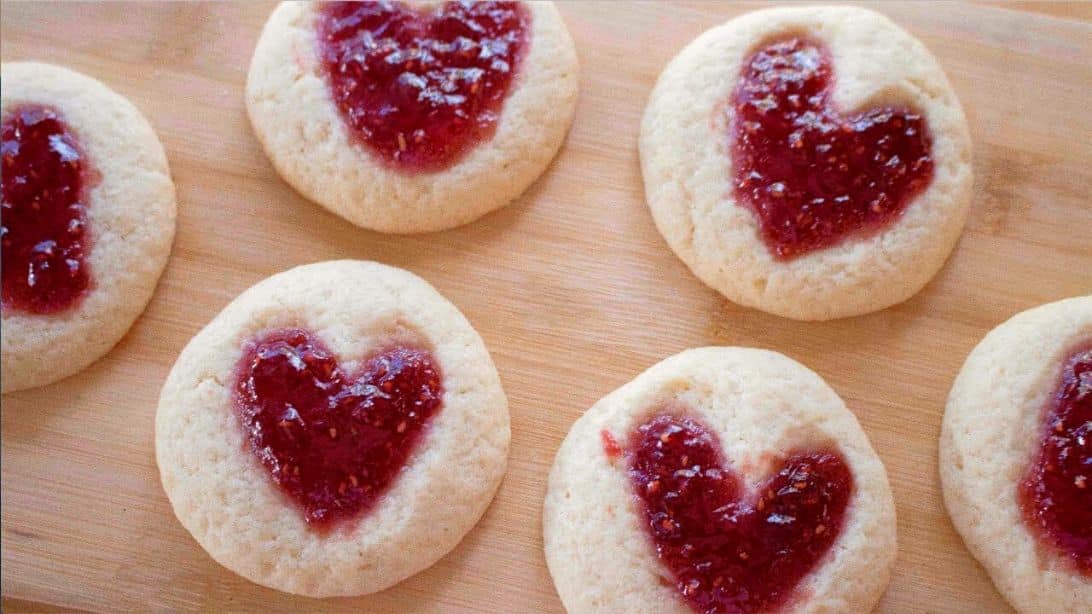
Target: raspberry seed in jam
(730, 550)
(43, 222)
(333, 442)
(421, 88)
(1056, 493)
(812, 175)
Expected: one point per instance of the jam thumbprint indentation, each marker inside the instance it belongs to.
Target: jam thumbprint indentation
(729, 549)
(421, 88)
(43, 221)
(332, 441)
(812, 175)
(1056, 493)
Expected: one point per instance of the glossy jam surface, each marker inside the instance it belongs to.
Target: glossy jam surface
(1056, 494)
(334, 442)
(420, 88)
(44, 213)
(812, 175)
(730, 548)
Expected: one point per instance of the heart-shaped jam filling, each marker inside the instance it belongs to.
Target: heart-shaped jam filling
(420, 88)
(334, 442)
(1056, 494)
(729, 548)
(43, 223)
(812, 175)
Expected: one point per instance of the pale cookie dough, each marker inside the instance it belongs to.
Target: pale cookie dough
(131, 221)
(760, 404)
(685, 159)
(226, 498)
(299, 126)
(992, 430)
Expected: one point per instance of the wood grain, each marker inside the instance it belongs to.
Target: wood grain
(571, 287)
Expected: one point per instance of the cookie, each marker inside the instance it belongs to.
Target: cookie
(1016, 456)
(407, 119)
(334, 430)
(88, 220)
(810, 162)
(721, 479)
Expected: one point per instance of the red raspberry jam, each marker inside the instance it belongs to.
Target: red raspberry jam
(43, 223)
(730, 548)
(1056, 494)
(812, 175)
(421, 88)
(610, 445)
(334, 442)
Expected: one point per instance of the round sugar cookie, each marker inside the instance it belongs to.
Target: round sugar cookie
(721, 479)
(1016, 456)
(406, 118)
(810, 162)
(336, 429)
(88, 220)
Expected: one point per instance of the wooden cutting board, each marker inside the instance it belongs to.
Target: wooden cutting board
(571, 287)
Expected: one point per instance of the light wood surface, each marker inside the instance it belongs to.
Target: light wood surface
(571, 287)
